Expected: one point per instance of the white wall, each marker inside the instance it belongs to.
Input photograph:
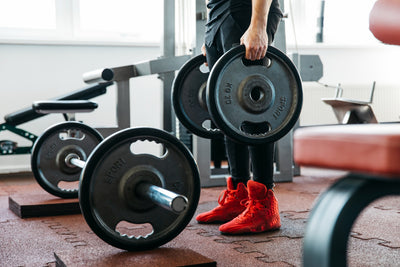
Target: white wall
(355, 68)
(34, 72)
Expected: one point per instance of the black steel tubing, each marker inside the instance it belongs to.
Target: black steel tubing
(330, 222)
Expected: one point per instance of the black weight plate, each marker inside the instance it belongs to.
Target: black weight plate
(189, 101)
(254, 102)
(51, 148)
(107, 189)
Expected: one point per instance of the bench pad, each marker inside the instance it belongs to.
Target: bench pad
(63, 106)
(365, 148)
(384, 21)
(27, 114)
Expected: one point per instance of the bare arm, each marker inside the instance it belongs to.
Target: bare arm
(255, 38)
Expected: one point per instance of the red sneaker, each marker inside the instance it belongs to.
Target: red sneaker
(261, 214)
(229, 204)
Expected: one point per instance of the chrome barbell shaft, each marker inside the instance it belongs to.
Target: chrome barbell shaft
(75, 161)
(162, 197)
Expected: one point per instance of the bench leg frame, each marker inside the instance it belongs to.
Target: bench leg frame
(330, 222)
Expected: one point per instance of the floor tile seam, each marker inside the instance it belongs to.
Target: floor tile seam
(379, 241)
(300, 192)
(276, 262)
(387, 209)
(288, 212)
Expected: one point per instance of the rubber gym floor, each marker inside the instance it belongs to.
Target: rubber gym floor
(66, 240)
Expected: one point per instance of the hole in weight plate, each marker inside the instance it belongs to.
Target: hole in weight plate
(255, 128)
(256, 94)
(148, 147)
(72, 134)
(264, 61)
(204, 69)
(133, 230)
(67, 186)
(206, 125)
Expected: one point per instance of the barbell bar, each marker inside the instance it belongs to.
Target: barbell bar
(158, 195)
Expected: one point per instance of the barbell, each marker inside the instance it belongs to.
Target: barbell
(252, 102)
(120, 184)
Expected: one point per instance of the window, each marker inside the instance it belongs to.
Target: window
(122, 19)
(38, 14)
(345, 22)
(116, 21)
(27, 18)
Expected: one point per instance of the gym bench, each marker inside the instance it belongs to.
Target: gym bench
(27, 114)
(371, 153)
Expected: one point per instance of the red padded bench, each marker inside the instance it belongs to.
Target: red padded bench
(371, 154)
(384, 21)
(366, 148)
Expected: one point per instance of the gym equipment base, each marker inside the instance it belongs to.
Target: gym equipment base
(39, 205)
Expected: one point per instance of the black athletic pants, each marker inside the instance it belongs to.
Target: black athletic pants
(226, 37)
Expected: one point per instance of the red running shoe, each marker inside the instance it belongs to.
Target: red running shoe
(229, 204)
(261, 214)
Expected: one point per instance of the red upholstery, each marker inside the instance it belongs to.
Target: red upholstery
(384, 21)
(366, 148)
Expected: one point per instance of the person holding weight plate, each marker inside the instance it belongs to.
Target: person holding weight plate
(246, 206)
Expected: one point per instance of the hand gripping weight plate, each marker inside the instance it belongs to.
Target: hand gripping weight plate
(254, 102)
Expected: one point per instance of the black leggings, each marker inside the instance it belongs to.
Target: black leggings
(238, 154)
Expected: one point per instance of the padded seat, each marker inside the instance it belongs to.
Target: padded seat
(64, 106)
(384, 21)
(366, 148)
(371, 152)
(28, 114)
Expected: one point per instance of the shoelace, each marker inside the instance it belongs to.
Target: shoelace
(251, 207)
(222, 196)
(225, 195)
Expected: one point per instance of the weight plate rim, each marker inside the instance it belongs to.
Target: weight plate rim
(217, 117)
(36, 148)
(85, 183)
(176, 103)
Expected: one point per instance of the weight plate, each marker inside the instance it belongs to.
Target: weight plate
(49, 152)
(108, 182)
(189, 98)
(254, 102)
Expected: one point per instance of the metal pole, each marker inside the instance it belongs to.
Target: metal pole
(168, 51)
